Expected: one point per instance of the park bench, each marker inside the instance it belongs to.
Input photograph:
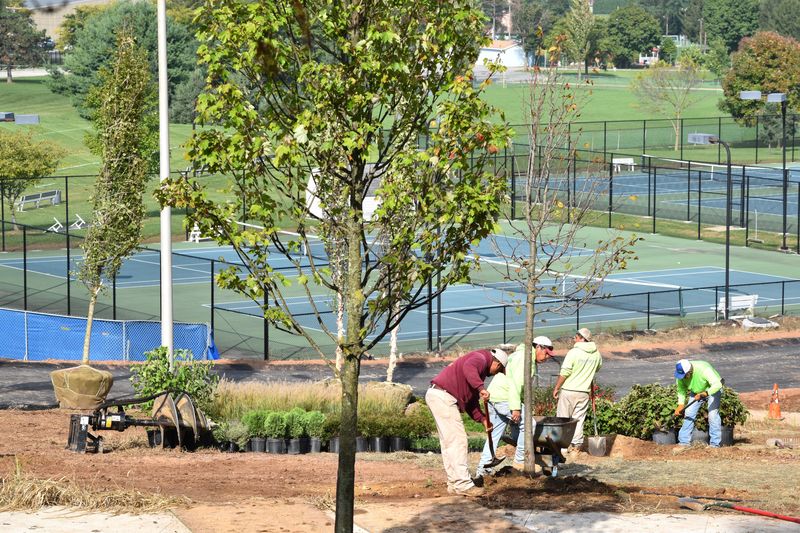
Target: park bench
(618, 163)
(54, 197)
(196, 236)
(738, 302)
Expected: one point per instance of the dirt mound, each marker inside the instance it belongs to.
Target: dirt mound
(789, 398)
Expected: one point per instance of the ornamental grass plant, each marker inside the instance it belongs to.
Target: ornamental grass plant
(232, 400)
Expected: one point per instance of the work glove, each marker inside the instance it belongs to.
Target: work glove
(679, 410)
(516, 416)
(700, 395)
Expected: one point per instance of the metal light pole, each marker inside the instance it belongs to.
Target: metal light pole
(706, 138)
(777, 98)
(166, 212)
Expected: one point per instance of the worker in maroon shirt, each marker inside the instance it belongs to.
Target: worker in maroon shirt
(459, 388)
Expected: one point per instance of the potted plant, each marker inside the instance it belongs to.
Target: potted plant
(646, 413)
(236, 436)
(315, 425)
(732, 412)
(377, 432)
(254, 420)
(330, 431)
(275, 430)
(398, 432)
(123, 113)
(296, 428)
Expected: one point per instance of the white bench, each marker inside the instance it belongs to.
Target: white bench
(54, 197)
(618, 162)
(79, 223)
(55, 228)
(738, 302)
(196, 236)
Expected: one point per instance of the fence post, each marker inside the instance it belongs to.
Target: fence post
(439, 312)
(504, 324)
(211, 299)
(798, 219)
(783, 296)
(747, 213)
(578, 316)
(699, 202)
(644, 136)
(3, 210)
(266, 329)
(610, 189)
(66, 232)
(605, 132)
(741, 198)
(655, 196)
(648, 310)
(719, 135)
(689, 192)
(25, 268)
(430, 315)
(794, 132)
(113, 297)
(680, 124)
(649, 185)
(756, 139)
(513, 185)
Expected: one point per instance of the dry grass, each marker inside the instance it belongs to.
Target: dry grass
(22, 492)
(232, 400)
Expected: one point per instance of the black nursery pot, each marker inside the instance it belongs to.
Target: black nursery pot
(398, 444)
(333, 445)
(379, 444)
(362, 444)
(315, 445)
(293, 447)
(276, 445)
(232, 447)
(258, 444)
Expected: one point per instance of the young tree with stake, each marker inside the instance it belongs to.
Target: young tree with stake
(542, 266)
(344, 90)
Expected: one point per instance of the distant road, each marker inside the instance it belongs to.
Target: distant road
(746, 366)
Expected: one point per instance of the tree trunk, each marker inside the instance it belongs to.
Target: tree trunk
(89, 319)
(676, 126)
(339, 330)
(392, 354)
(8, 74)
(352, 351)
(527, 391)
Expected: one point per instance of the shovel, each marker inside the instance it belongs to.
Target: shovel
(598, 446)
(695, 505)
(495, 460)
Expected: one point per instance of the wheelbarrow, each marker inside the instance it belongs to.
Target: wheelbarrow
(552, 433)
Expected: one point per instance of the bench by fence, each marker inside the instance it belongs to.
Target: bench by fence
(618, 162)
(738, 302)
(54, 197)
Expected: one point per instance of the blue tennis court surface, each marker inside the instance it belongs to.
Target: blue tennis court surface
(470, 309)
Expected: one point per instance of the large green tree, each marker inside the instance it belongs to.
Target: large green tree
(95, 43)
(767, 62)
(631, 31)
(341, 91)
(579, 22)
(730, 20)
(20, 41)
(781, 16)
(24, 161)
(125, 138)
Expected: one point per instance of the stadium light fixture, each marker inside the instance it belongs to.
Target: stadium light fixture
(707, 138)
(777, 98)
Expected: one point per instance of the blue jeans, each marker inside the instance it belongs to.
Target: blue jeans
(499, 418)
(714, 421)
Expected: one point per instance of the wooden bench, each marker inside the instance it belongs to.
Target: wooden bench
(618, 162)
(738, 302)
(54, 197)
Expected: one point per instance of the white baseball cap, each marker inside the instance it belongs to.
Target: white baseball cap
(545, 343)
(501, 356)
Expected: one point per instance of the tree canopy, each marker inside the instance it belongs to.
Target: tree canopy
(95, 43)
(20, 41)
(767, 62)
(631, 31)
(781, 16)
(730, 20)
(341, 92)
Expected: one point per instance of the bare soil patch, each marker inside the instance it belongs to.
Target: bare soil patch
(789, 399)
(403, 491)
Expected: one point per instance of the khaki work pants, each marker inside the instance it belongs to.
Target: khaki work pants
(574, 404)
(453, 438)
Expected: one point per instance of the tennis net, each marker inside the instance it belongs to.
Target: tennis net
(570, 289)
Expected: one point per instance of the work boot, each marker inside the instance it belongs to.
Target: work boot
(472, 492)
